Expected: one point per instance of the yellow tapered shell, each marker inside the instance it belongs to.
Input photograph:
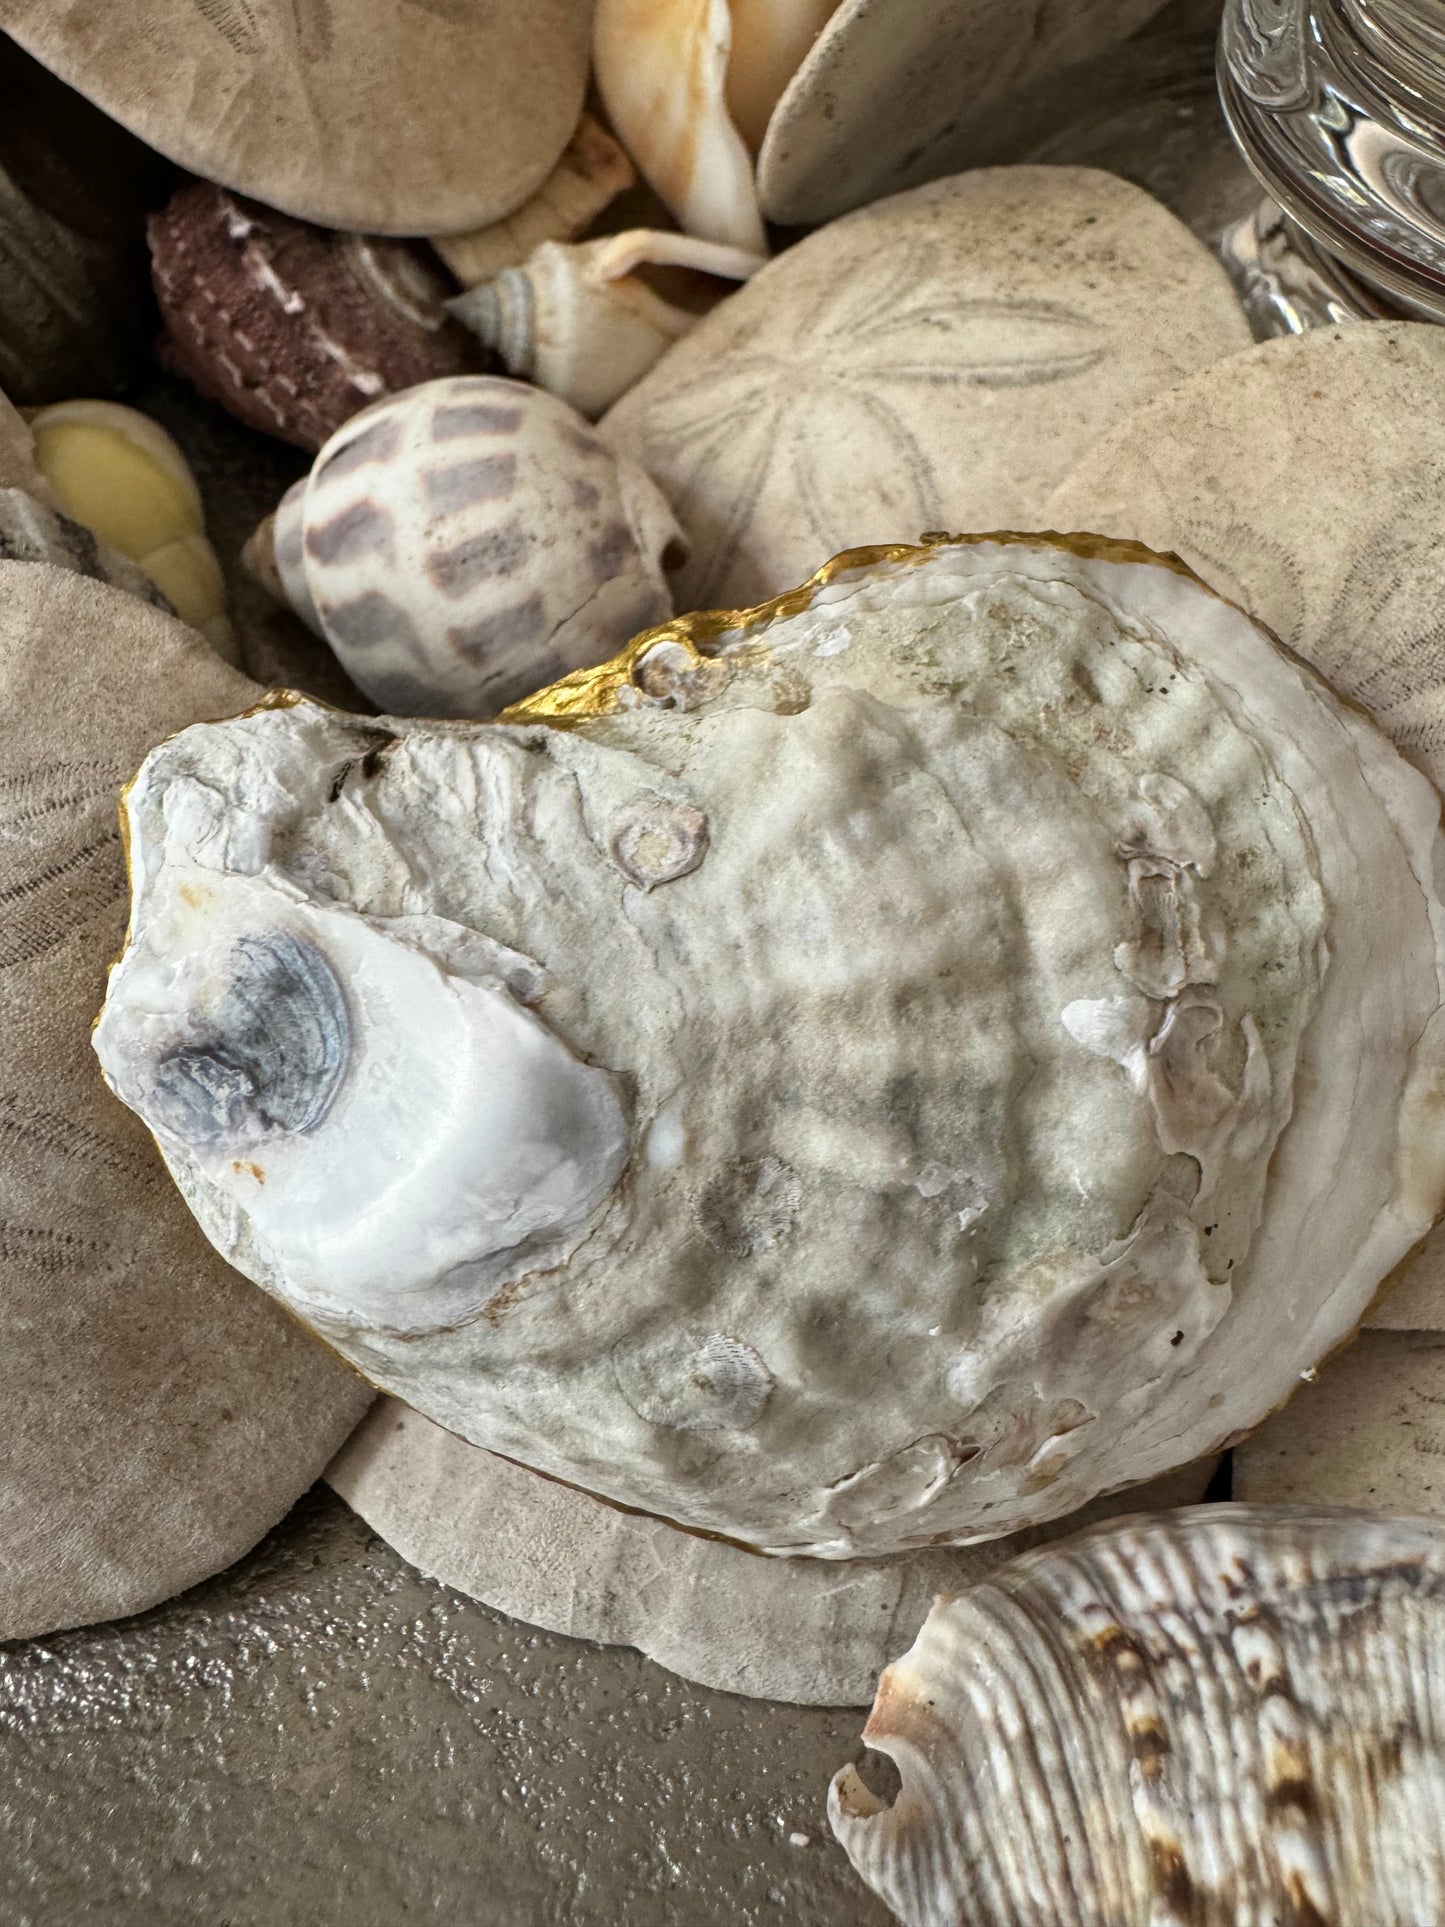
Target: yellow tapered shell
(121, 475)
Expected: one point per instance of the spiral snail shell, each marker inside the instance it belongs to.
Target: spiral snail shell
(463, 543)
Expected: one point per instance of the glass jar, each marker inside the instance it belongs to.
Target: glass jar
(1339, 108)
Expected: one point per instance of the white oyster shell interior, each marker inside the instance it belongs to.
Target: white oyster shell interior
(966, 1050)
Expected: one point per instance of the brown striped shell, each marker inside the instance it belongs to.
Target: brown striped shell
(1229, 1716)
(294, 328)
(469, 541)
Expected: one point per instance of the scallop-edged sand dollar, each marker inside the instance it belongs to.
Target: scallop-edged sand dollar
(1226, 1715)
(1305, 478)
(802, 1630)
(160, 1414)
(872, 1072)
(384, 116)
(937, 361)
(463, 543)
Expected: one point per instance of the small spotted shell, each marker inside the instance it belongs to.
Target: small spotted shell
(1225, 1715)
(467, 542)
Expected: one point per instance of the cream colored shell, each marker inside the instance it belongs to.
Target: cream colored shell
(1225, 1717)
(552, 1556)
(585, 323)
(383, 116)
(937, 361)
(119, 474)
(866, 1087)
(467, 541)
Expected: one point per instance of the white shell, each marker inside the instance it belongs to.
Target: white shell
(983, 1064)
(540, 1551)
(463, 543)
(1226, 1717)
(937, 361)
(581, 321)
(662, 70)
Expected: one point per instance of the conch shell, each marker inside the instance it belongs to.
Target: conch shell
(690, 86)
(874, 1071)
(1223, 1715)
(585, 323)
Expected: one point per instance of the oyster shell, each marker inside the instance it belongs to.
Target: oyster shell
(1225, 1715)
(977, 1080)
(937, 361)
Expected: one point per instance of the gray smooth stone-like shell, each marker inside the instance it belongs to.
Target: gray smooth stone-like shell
(1226, 1717)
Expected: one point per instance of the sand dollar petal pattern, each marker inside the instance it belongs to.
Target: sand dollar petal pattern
(935, 361)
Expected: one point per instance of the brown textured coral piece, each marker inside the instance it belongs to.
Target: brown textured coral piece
(291, 327)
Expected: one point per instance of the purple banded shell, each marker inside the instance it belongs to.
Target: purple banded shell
(470, 540)
(1229, 1716)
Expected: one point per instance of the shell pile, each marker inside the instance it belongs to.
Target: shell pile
(872, 1083)
(1227, 1717)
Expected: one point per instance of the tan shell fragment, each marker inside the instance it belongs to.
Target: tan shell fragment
(381, 116)
(545, 1553)
(159, 1415)
(586, 322)
(937, 361)
(1368, 1429)
(1220, 1716)
(593, 169)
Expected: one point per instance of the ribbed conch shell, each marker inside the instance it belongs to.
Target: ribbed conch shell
(593, 170)
(690, 85)
(585, 323)
(874, 1071)
(1231, 1716)
(463, 543)
(121, 476)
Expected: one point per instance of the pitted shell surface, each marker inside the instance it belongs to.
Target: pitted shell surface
(1021, 1091)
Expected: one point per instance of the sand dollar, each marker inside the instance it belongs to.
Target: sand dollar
(936, 361)
(160, 1414)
